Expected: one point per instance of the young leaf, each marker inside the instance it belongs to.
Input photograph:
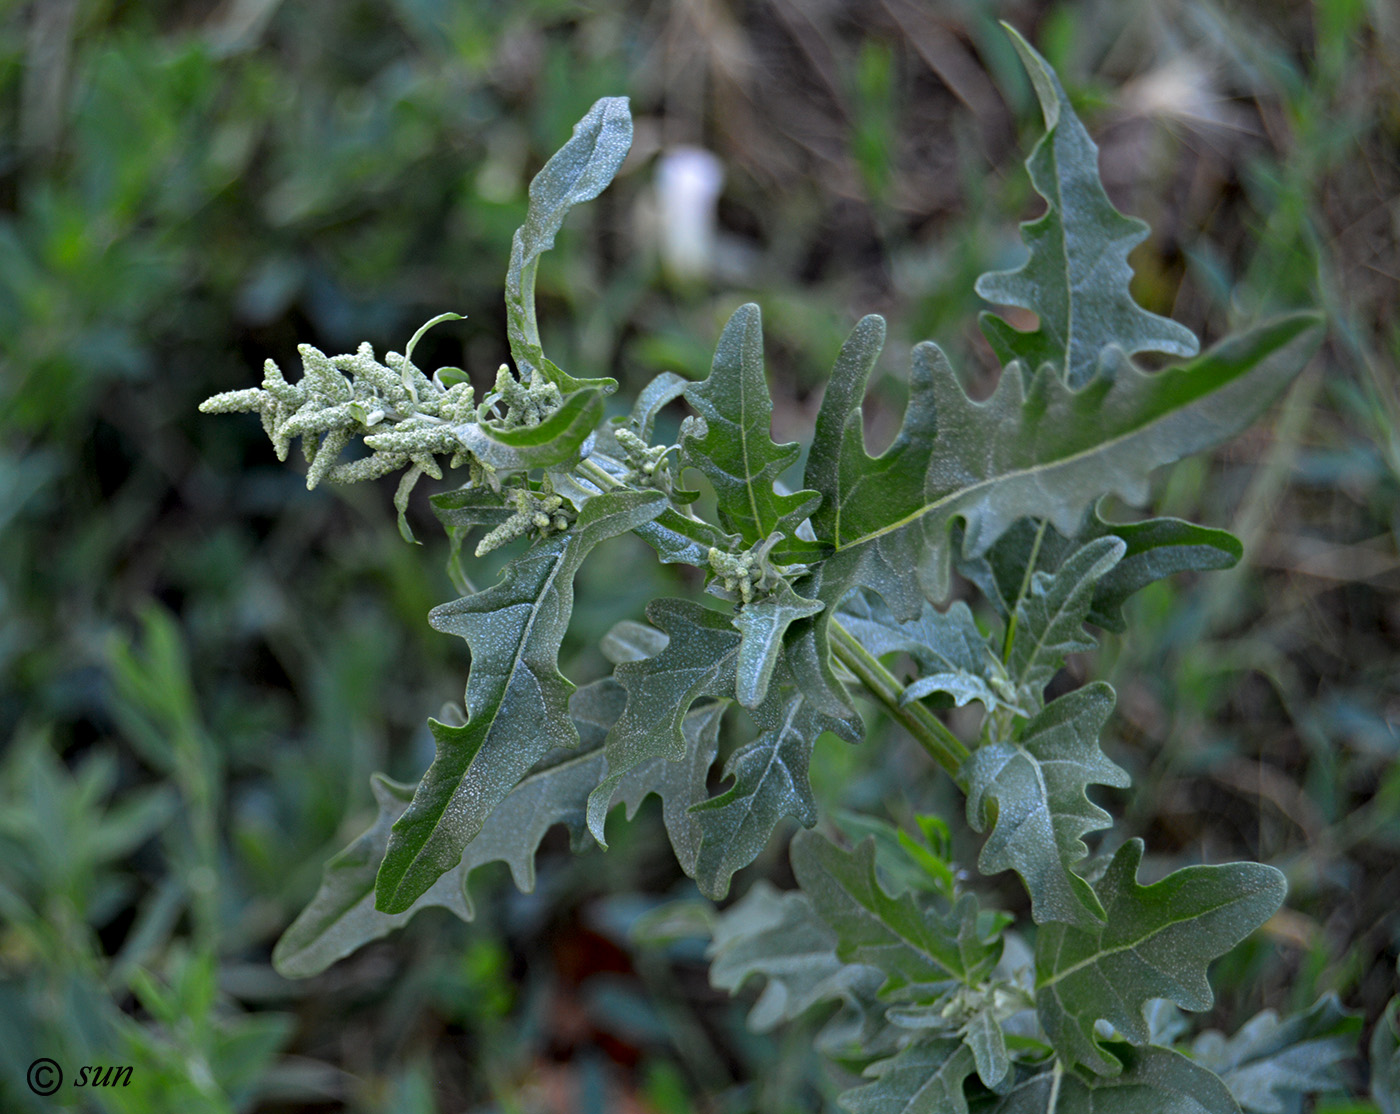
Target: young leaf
(698, 661)
(1032, 790)
(1048, 623)
(516, 698)
(1076, 279)
(952, 654)
(556, 440)
(1157, 943)
(1040, 450)
(342, 917)
(1269, 1063)
(1153, 1081)
(579, 171)
(911, 943)
(925, 1078)
(762, 625)
(731, 441)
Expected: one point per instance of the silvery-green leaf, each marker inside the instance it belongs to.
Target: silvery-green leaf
(1049, 619)
(698, 661)
(925, 1078)
(1076, 279)
(632, 641)
(1035, 449)
(1152, 1081)
(579, 171)
(761, 625)
(731, 442)
(516, 698)
(952, 655)
(1156, 942)
(558, 439)
(1153, 550)
(770, 782)
(342, 917)
(1031, 791)
(910, 941)
(1268, 1064)
(984, 1035)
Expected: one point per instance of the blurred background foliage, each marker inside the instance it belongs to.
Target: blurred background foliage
(201, 663)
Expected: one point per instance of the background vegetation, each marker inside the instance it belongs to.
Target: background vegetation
(201, 663)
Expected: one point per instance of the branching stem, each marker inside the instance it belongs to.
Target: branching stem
(942, 745)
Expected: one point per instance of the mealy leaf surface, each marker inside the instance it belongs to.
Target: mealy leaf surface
(1031, 791)
(731, 442)
(910, 941)
(579, 171)
(1157, 942)
(925, 1078)
(1076, 279)
(516, 698)
(1153, 1081)
(1270, 1063)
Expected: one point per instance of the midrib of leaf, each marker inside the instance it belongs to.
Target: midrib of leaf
(1022, 473)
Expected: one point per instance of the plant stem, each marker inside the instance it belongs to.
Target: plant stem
(600, 476)
(1025, 589)
(942, 745)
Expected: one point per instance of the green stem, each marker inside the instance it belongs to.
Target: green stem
(942, 745)
(598, 475)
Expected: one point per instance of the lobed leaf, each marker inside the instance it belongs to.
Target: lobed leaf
(516, 698)
(1153, 550)
(1269, 1063)
(1076, 279)
(1031, 790)
(1035, 449)
(698, 661)
(1153, 1081)
(925, 1078)
(910, 942)
(1157, 943)
(951, 653)
(342, 916)
(1048, 622)
(762, 624)
(731, 441)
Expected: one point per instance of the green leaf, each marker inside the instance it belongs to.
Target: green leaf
(1269, 1062)
(1032, 790)
(1153, 550)
(1036, 449)
(925, 1078)
(1384, 1051)
(762, 625)
(698, 661)
(516, 698)
(1153, 1081)
(342, 917)
(1157, 943)
(556, 440)
(770, 782)
(579, 171)
(731, 441)
(952, 655)
(1048, 623)
(912, 943)
(779, 937)
(1076, 279)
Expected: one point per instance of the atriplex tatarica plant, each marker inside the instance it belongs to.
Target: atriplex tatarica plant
(820, 593)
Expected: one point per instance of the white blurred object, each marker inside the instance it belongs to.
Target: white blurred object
(688, 184)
